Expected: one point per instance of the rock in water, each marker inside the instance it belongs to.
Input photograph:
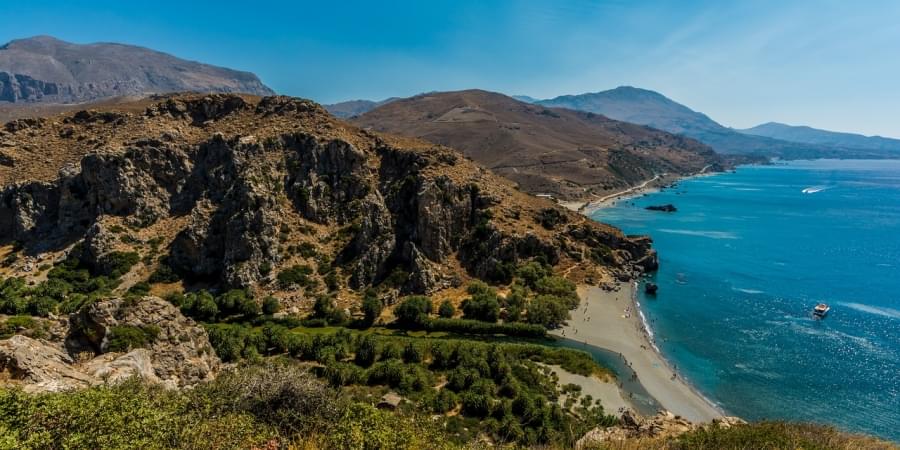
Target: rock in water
(663, 208)
(651, 288)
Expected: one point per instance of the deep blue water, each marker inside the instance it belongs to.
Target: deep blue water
(744, 260)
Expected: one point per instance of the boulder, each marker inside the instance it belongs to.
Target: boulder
(40, 367)
(180, 354)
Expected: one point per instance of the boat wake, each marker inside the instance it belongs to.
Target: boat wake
(884, 312)
(748, 291)
(814, 189)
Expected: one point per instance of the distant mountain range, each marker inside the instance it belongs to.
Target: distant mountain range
(565, 153)
(645, 107)
(816, 136)
(352, 108)
(44, 69)
(656, 110)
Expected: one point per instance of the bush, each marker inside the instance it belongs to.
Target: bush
(413, 311)
(164, 273)
(548, 310)
(365, 351)
(119, 263)
(483, 304)
(446, 310)
(298, 275)
(371, 307)
(270, 305)
(124, 338)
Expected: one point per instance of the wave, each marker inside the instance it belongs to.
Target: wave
(748, 291)
(708, 234)
(884, 312)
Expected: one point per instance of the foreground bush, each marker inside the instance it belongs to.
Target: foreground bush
(268, 406)
(756, 436)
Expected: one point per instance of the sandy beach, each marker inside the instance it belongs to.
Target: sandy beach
(609, 320)
(649, 186)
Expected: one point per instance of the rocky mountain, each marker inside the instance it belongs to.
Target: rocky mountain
(565, 153)
(48, 70)
(234, 190)
(353, 108)
(653, 109)
(814, 136)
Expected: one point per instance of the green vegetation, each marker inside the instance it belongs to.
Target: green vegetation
(483, 304)
(298, 275)
(497, 387)
(253, 407)
(762, 435)
(446, 310)
(371, 307)
(413, 311)
(69, 285)
(22, 325)
(125, 338)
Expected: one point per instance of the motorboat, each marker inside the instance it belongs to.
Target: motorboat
(821, 310)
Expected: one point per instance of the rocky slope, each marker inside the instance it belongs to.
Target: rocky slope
(233, 190)
(565, 153)
(47, 70)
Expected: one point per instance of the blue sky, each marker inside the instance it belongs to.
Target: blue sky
(825, 63)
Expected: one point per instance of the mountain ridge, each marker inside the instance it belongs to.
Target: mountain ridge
(651, 108)
(564, 153)
(817, 136)
(44, 69)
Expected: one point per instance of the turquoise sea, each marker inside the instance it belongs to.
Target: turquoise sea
(742, 263)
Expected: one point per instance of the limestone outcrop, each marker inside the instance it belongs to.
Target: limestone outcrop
(178, 353)
(663, 425)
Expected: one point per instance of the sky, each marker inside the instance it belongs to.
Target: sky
(823, 63)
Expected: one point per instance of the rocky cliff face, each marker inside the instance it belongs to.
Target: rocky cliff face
(232, 187)
(45, 69)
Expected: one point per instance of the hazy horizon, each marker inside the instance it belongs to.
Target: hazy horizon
(827, 65)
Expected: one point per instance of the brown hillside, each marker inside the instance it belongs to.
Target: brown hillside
(566, 153)
(231, 190)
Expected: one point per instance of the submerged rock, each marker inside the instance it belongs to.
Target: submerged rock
(663, 208)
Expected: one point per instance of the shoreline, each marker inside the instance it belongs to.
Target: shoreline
(647, 187)
(612, 320)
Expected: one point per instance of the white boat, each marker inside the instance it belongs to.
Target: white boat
(821, 310)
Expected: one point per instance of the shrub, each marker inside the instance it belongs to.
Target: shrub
(119, 263)
(446, 310)
(483, 304)
(413, 311)
(270, 305)
(371, 307)
(298, 275)
(365, 351)
(531, 272)
(124, 338)
(164, 273)
(548, 310)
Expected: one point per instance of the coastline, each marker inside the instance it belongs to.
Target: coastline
(647, 187)
(612, 320)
